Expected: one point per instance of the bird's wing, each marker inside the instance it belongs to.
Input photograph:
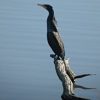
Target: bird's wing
(59, 40)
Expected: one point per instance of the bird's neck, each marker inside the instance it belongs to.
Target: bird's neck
(51, 26)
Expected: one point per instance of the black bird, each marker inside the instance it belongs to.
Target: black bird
(53, 36)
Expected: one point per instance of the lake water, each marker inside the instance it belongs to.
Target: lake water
(26, 70)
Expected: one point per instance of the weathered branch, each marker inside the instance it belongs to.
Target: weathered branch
(68, 86)
(83, 75)
(65, 74)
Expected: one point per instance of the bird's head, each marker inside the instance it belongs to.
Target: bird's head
(48, 7)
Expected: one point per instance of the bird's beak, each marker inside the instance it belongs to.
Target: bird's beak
(41, 5)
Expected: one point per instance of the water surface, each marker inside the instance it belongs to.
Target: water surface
(26, 70)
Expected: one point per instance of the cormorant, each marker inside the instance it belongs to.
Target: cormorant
(53, 36)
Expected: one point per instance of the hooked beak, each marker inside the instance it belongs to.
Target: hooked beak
(41, 5)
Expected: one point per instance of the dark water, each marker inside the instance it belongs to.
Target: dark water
(26, 70)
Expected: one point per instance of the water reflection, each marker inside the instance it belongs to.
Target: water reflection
(83, 87)
(73, 97)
